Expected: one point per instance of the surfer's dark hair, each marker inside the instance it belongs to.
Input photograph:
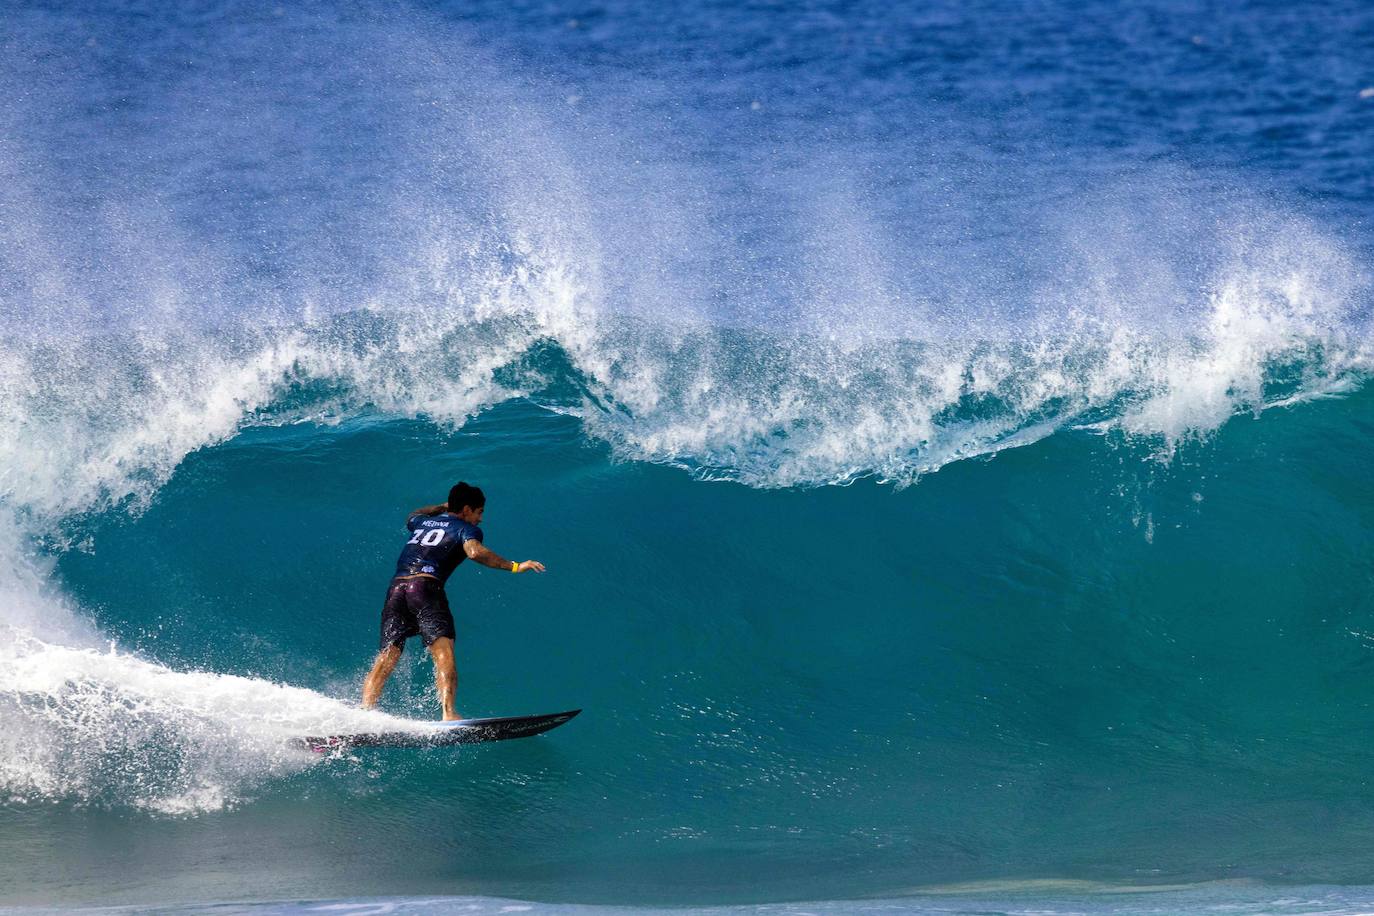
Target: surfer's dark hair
(465, 494)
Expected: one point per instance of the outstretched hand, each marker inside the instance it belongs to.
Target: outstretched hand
(531, 566)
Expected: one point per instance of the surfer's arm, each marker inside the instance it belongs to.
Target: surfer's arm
(430, 510)
(478, 551)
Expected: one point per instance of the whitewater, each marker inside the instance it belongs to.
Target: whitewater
(947, 488)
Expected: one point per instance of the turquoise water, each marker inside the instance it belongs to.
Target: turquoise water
(1029, 899)
(950, 455)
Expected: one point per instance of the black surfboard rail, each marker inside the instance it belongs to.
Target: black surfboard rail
(442, 734)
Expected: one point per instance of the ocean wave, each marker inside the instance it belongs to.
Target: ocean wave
(106, 421)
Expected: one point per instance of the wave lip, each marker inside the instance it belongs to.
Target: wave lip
(760, 407)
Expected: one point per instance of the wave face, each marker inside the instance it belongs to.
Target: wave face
(937, 484)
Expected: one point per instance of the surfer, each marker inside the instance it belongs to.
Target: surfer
(442, 536)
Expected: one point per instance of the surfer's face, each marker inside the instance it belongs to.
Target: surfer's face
(470, 515)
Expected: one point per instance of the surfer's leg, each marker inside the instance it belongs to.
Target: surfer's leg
(376, 678)
(445, 674)
(435, 622)
(398, 625)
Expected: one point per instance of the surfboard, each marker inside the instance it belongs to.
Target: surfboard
(441, 734)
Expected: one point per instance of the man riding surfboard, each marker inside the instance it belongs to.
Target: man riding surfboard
(442, 537)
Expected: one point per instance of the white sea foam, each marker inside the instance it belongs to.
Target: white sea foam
(100, 725)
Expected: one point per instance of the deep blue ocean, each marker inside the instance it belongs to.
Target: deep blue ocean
(947, 427)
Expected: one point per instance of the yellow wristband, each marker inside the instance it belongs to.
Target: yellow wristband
(514, 566)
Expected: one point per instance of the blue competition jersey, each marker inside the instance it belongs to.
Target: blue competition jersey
(435, 547)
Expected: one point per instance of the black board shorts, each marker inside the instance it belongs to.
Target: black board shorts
(415, 606)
